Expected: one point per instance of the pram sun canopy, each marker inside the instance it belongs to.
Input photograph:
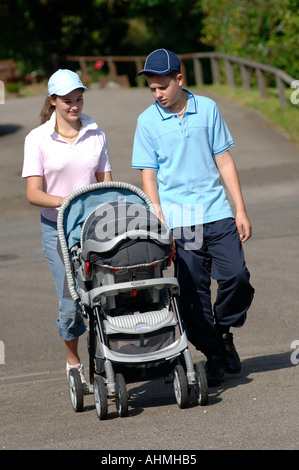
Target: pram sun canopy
(87, 203)
(122, 233)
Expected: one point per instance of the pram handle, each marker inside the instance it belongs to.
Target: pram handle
(94, 296)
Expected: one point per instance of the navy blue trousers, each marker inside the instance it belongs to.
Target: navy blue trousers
(220, 257)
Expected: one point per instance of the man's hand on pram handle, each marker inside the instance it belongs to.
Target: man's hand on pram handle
(160, 217)
(173, 250)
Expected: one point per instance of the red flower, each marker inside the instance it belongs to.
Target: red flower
(98, 64)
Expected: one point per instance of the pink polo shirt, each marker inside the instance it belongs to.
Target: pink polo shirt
(65, 167)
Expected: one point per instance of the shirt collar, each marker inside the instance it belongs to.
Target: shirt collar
(191, 106)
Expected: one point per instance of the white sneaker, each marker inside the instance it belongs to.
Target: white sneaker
(80, 369)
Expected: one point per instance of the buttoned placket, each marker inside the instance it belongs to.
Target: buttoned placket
(183, 123)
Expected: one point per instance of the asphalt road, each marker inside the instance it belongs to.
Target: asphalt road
(256, 409)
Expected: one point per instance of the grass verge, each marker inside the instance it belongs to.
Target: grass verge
(287, 120)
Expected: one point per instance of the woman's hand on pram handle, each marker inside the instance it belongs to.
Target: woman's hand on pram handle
(38, 197)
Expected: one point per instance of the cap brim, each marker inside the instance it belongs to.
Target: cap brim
(66, 91)
(154, 72)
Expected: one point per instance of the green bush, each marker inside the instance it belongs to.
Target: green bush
(14, 87)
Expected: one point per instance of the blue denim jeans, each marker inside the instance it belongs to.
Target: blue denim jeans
(70, 322)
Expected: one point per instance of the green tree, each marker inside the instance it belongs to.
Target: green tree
(32, 31)
(260, 30)
(175, 25)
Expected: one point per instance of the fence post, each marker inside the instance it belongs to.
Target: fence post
(215, 71)
(229, 72)
(112, 67)
(198, 72)
(245, 77)
(84, 70)
(281, 91)
(138, 66)
(261, 82)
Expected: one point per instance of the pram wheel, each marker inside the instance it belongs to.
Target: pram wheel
(76, 390)
(180, 385)
(100, 398)
(201, 388)
(121, 396)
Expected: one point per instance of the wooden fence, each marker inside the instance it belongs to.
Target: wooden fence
(220, 64)
(247, 67)
(8, 70)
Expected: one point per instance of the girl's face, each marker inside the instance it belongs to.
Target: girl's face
(68, 107)
(166, 90)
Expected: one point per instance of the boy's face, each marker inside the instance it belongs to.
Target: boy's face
(167, 91)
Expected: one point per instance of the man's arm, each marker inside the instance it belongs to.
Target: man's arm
(229, 174)
(150, 187)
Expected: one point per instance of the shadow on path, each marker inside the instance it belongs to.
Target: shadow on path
(9, 129)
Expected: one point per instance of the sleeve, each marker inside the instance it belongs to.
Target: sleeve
(33, 157)
(103, 152)
(144, 154)
(222, 139)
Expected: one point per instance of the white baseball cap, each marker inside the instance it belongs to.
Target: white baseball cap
(63, 82)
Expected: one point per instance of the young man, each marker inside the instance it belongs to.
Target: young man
(181, 146)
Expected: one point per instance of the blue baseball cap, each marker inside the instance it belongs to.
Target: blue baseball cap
(161, 62)
(63, 82)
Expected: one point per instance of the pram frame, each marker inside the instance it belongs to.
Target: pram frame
(91, 308)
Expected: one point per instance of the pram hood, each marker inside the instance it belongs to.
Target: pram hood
(104, 216)
(109, 235)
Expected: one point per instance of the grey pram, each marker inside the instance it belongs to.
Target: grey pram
(115, 251)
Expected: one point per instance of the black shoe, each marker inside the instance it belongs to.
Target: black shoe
(214, 369)
(232, 363)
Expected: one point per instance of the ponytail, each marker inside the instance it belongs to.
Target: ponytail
(47, 110)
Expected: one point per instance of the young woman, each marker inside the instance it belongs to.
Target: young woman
(67, 151)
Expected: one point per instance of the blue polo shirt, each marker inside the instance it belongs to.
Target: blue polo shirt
(182, 152)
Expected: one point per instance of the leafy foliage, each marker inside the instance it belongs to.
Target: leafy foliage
(260, 30)
(33, 31)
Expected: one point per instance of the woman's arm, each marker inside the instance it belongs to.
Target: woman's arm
(102, 177)
(36, 195)
(229, 174)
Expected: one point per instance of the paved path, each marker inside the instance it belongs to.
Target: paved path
(257, 409)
